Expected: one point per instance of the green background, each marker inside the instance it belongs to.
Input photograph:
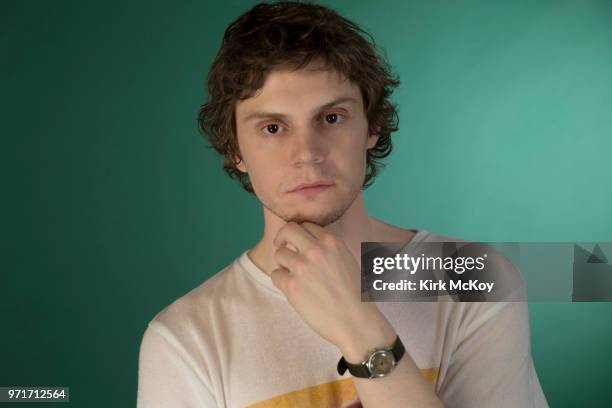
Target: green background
(113, 206)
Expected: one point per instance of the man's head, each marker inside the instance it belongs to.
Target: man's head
(298, 94)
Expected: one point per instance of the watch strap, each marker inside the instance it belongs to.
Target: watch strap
(361, 370)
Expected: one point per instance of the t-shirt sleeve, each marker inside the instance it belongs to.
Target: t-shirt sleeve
(491, 365)
(167, 376)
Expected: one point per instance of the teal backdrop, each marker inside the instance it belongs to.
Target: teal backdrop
(113, 206)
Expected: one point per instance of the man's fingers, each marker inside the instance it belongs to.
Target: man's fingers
(280, 278)
(294, 234)
(286, 258)
(315, 230)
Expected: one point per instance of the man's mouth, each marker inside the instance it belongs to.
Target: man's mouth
(312, 188)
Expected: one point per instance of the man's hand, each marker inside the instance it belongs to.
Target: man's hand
(321, 280)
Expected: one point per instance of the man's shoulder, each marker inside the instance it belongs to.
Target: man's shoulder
(430, 236)
(207, 296)
(500, 268)
(395, 233)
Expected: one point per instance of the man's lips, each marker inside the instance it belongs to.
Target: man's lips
(312, 186)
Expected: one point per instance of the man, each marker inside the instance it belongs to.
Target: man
(298, 105)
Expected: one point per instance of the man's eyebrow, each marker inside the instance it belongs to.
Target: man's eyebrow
(268, 115)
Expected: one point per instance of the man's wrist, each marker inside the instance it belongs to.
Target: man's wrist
(373, 334)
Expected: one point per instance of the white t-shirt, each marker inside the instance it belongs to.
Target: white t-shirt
(235, 341)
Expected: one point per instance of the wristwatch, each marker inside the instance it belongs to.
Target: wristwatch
(380, 363)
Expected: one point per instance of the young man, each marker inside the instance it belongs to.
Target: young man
(298, 105)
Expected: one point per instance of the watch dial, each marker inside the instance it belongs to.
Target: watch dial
(382, 363)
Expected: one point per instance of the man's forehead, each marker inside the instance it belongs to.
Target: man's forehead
(279, 75)
(312, 86)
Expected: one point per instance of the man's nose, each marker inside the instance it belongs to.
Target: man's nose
(308, 147)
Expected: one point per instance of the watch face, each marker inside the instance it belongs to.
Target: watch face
(381, 363)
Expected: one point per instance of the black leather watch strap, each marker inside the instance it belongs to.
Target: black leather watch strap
(357, 370)
(361, 370)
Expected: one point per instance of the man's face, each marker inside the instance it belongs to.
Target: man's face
(304, 126)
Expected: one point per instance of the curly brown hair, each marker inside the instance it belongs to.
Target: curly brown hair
(294, 34)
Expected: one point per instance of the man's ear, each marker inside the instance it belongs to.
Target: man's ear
(371, 142)
(240, 165)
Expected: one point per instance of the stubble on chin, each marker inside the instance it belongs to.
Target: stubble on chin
(324, 218)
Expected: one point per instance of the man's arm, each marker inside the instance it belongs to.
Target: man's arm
(405, 386)
(321, 280)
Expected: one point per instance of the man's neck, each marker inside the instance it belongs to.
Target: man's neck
(354, 227)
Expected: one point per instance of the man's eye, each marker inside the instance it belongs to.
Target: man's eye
(332, 118)
(272, 128)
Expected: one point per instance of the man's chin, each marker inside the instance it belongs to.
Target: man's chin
(322, 215)
(300, 219)
(322, 220)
